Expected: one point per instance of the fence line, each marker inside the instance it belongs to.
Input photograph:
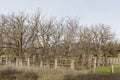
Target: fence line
(69, 63)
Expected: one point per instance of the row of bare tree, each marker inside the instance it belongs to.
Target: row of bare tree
(23, 35)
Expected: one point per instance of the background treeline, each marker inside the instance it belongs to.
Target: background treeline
(23, 35)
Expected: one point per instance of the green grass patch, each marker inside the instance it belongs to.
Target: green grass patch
(107, 69)
(63, 62)
(117, 68)
(3, 79)
(103, 69)
(1, 65)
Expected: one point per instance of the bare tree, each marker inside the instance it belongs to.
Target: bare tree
(84, 45)
(45, 30)
(1, 36)
(70, 36)
(101, 36)
(18, 34)
(22, 35)
(57, 39)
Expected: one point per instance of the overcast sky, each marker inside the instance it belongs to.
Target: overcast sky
(89, 11)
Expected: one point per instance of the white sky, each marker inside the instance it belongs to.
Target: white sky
(89, 11)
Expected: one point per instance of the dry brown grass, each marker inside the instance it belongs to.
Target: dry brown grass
(15, 73)
(29, 73)
(35, 73)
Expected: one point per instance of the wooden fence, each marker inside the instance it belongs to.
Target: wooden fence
(67, 63)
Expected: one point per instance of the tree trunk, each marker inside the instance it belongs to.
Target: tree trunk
(105, 60)
(20, 62)
(20, 51)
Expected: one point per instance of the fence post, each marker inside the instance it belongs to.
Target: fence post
(56, 65)
(72, 64)
(118, 60)
(16, 61)
(44, 67)
(6, 61)
(0, 59)
(103, 61)
(28, 62)
(94, 66)
(98, 62)
(112, 68)
(41, 64)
